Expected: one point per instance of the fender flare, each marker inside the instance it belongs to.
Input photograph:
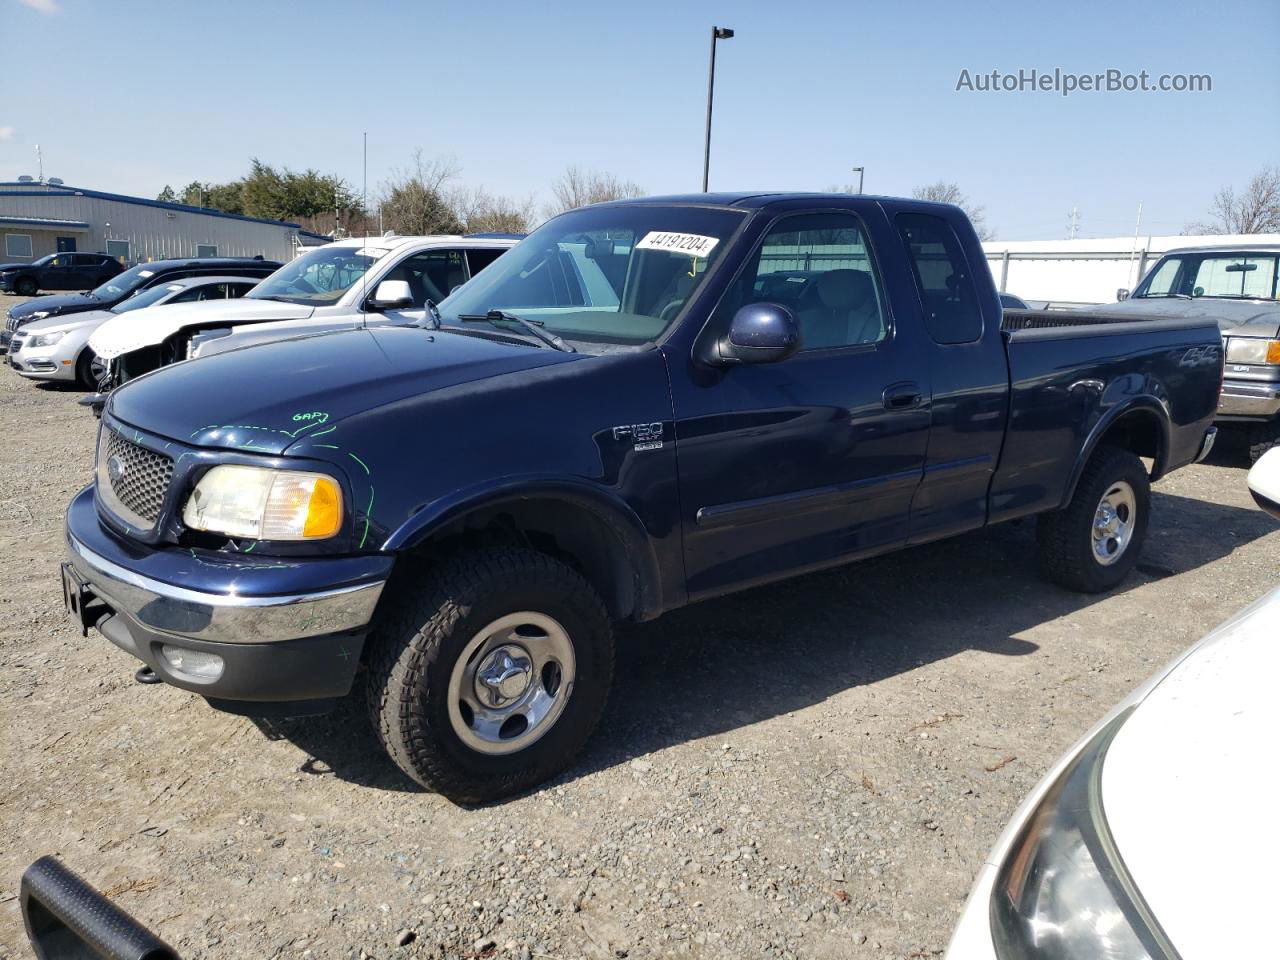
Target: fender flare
(609, 508)
(1146, 405)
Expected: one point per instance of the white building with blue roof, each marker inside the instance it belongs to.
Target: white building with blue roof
(43, 217)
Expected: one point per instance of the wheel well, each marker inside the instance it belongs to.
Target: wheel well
(1138, 431)
(582, 538)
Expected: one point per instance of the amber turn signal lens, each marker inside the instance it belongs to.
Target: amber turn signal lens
(324, 511)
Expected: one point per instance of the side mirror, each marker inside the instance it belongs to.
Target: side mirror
(759, 333)
(1264, 482)
(391, 295)
(1122, 294)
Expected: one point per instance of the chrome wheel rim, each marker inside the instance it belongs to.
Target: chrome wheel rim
(511, 683)
(1113, 523)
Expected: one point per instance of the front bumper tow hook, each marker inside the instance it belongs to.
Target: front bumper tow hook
(147, 675)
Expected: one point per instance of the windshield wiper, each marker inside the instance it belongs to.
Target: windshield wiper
(534, 327)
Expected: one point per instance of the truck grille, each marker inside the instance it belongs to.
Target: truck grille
(132, 480)
(10, 323)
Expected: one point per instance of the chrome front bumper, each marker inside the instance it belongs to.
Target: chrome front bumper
(1244, 399)
(223, 617)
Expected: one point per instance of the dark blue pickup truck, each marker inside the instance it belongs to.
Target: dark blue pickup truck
(643, 404)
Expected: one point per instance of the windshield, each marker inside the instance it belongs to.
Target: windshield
(320, 277)
(43, 261)
(147, 297)
(1234, 276)
(125, 283)
(614, 274)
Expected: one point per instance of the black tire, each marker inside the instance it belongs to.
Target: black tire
(85, 376)
(1067, 537)
(429, 623)
(1262, 437)
(25, 287)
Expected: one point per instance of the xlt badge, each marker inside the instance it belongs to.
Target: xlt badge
(645, 436)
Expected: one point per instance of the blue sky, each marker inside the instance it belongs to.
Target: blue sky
(127, 97)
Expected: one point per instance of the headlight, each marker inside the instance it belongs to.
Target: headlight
(1253, 350)
(262, 504)
(46, 339)
(1063, 891)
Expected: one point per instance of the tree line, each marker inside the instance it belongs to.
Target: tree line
(424, 197)
(427, 196)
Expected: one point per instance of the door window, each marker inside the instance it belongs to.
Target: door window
(479, 259)
(430, 274)
(820, 268)
(943, 279)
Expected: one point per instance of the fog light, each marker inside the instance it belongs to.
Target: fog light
(195, 664)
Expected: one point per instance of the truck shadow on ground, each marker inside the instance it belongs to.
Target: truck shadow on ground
(745, 658)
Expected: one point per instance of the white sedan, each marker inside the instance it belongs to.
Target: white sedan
(1154, 837)
(57, 348)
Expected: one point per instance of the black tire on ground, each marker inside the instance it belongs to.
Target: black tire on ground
(431, 620)
(26, 287)
(1070, 553)
(85, 375)
(1262, 437)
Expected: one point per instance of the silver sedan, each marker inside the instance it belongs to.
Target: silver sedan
(57, 348)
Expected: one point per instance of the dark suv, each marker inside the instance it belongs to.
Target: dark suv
(124, 285)
(58, 271)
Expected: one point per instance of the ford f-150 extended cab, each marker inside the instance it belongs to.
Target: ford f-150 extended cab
(643, 404)
(1237, 288)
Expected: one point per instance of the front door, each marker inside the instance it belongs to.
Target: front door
(65, 274)
(791, 465)
(66, 244)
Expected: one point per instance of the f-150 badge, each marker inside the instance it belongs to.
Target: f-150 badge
(646, 436)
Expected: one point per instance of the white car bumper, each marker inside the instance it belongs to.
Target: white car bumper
(56, 362)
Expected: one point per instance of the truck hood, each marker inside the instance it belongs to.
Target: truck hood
(267, 397)
(1237, 318)
(61, 303)
(1188, 788)
(132, 331)
(72, 321)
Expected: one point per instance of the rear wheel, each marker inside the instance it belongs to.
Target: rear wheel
(489, 673)
(25, 287)
(1094, 543)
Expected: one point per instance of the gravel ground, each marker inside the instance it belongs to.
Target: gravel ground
(810, 770)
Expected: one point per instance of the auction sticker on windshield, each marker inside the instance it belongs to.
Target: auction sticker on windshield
(373, 253)
(688, 243)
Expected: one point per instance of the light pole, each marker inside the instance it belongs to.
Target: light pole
(859, 172)
(717, 33)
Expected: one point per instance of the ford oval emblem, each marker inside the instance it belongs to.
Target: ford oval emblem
(115, 469)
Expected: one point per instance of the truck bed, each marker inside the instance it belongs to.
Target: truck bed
(1072, 372)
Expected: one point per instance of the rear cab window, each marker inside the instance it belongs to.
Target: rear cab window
(944, 281)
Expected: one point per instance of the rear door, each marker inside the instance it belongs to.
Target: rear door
(960, 314)
(791, 465)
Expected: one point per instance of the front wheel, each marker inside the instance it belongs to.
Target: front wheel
(26, 287)
(89, 369)
(489, 672)
(1094, 543)
(1262, 437)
